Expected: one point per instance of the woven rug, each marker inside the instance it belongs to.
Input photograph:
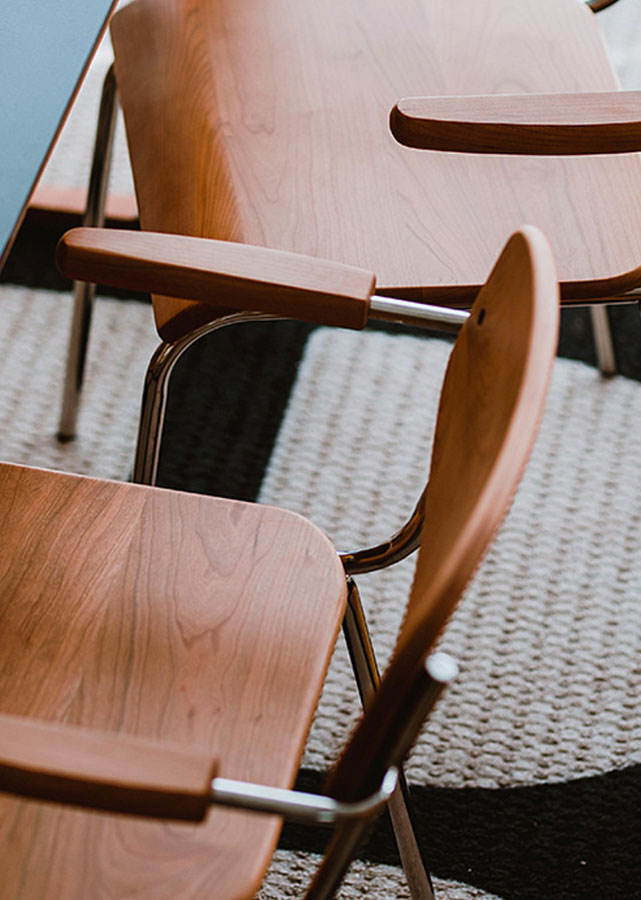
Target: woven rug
(509, 778)
(527, 780)
(34, 330)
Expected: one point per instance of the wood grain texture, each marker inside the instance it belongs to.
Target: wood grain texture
(534, 124)
(170, 616)
(240, 276)
(491, 403)
(103, 770)
(267, 123)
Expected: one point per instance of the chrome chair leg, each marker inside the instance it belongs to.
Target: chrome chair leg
(84, 293)
(603, 339)
(339, 854)
(152, 412)
(367, 676)
(428, 685)
(154, 399)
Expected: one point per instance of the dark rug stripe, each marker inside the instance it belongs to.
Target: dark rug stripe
(574, 840)
(575, 340)
(31, 262)
(227, 398)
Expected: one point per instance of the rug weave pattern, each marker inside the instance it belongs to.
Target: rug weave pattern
(548, 635)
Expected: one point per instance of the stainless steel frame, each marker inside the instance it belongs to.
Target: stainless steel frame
(154, 401)
(83, 291)
(402, 544)
(438, 672)
(423, 315)
(314, 809)
(367, 675)
(398, 547)
(154, 398)
(603, 343)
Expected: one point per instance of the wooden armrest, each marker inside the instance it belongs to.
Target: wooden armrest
(237, 276)
(530, 124)
(597, 5)
(103, 770)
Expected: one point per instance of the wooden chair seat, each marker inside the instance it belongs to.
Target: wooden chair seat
(166, 615)
(267, 123)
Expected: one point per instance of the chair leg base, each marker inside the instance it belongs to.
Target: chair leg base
(154, 400)
(76, 358)
(603, 340)
(84, 293)
(416, 873)
(367, 677)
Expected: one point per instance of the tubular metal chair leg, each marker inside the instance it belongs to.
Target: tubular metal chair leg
(152, 412)
(154, 399)
(603, 339)
(367, 676)
(340, 852)
(84, 293)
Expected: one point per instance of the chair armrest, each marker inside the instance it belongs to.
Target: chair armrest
(225, 274)
(597, 5)
(103, 770)
(126, 774)
(530, 124)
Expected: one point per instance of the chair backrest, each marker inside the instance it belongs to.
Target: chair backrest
(266, 122)
(491, 403)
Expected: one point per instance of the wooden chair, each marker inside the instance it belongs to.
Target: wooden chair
(267, 124)
(134, 616)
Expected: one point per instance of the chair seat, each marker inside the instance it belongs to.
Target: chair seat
(168, 615)
(267, 123)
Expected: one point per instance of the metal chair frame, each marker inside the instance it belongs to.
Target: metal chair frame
(601, 330)
(84, 293)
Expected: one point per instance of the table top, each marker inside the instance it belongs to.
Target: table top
(45, 50)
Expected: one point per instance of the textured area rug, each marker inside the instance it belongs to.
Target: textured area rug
(34, 330)
(510, 776)
(527, 780)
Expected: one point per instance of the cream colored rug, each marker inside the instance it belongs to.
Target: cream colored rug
(34, 330)
(548, 636)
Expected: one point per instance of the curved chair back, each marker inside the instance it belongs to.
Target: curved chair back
(491, 403)
(267, 123)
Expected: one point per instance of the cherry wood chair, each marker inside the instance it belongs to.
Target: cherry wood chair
(267, 124)
(134, 616)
